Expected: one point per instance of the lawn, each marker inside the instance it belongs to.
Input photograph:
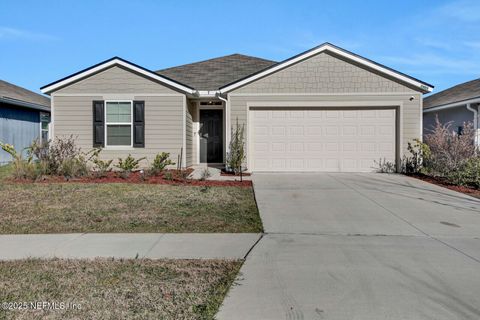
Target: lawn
(115, 289)
(5, 172)
(125, 207)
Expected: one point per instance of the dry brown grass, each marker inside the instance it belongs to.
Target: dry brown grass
(71, 207)
(117, 289)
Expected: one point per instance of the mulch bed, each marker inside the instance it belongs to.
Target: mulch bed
(231, 174)
(440, 182)
(175, 178)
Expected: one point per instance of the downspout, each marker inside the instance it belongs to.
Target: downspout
(475, 123)
(227, 121)
(219, 96)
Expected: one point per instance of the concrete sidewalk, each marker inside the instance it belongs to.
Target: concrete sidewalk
(121, 245)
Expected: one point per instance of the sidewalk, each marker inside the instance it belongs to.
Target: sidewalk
(127, 245)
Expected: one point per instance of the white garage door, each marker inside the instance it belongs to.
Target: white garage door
(321, 139)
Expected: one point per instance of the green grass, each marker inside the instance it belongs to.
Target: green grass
(117, 289)
(124, 207)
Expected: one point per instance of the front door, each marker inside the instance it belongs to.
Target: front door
(211, 136)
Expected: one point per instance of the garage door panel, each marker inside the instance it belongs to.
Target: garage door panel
(321, 140)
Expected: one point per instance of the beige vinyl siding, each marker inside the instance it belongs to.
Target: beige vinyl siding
(323, 73)
(116, 80)
(163, 124)
(323, 79)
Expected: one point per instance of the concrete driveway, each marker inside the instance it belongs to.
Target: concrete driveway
(360, 246)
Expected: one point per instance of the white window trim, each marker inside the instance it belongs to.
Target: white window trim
(49, 126)
(118, 123)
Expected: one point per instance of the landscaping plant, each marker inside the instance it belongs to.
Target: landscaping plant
(64, 157)
(384, 166)
(128, 165)
(467, 175)
(450, 151)
(21, 168)
(161, 161)
(100, 167)
(419, 155)
(236, 156)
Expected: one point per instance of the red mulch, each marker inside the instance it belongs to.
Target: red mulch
(438, 181)
(136, 177)
(231, 174)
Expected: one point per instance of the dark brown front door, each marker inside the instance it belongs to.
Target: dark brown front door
(211, 136)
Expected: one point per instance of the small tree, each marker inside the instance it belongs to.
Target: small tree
(236, 156)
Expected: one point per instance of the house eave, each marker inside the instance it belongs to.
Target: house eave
(116, 61)
(452, 105)
(24, 104)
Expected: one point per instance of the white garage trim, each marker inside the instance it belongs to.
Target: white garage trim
(396, 105)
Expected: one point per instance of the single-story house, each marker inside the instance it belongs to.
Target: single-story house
(24, 117)
(326, 109)
(457, 105)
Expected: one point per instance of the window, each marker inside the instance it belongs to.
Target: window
(460, 130)
(118, 123)
(44, 125)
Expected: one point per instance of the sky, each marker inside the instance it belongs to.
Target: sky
(42, 41)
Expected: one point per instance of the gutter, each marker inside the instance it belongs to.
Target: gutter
(24, 104)
(452, 105)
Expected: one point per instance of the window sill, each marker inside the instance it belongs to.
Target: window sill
(119, 148)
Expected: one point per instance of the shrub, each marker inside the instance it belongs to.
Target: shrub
(236, 156)
(449, 150)
(73, 167)
(467, 175)
(419, 154)
(161, 161)
(64, 150)
(60, 157)
(384, 166)
(100, 167)
(128, 164)
(39, 150)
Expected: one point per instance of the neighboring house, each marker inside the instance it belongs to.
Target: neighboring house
(326, 109)
(24, 117)
(457, 105)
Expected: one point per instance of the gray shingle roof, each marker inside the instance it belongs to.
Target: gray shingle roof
(461, 92)
(214, 73)
(21, 96)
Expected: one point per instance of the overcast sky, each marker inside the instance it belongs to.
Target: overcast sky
(42, 41)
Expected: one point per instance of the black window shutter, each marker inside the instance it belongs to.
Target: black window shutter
(98, 124)
(138, 124)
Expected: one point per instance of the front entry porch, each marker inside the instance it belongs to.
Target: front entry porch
(209, 133)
